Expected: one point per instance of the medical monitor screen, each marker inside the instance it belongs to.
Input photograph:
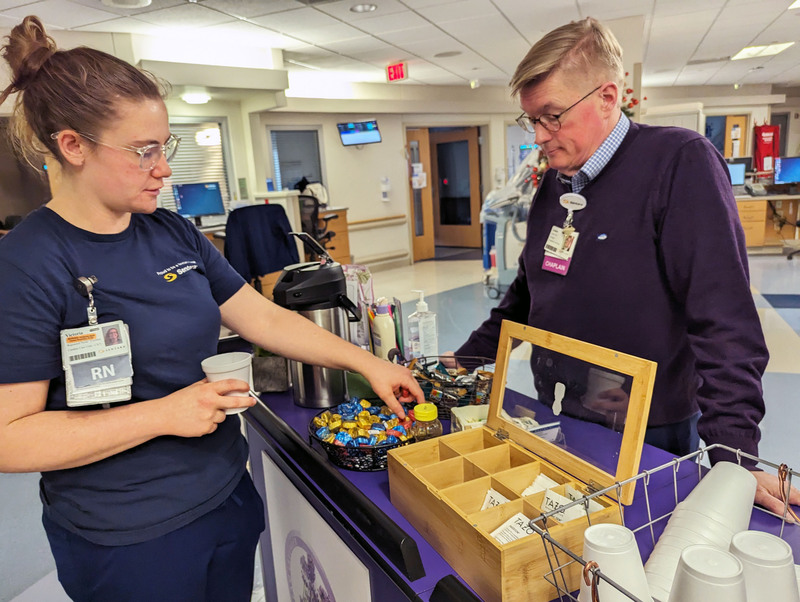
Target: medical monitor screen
(746, 161)
(194, 200)
(737, 173)
(787, 170)
(354, 133)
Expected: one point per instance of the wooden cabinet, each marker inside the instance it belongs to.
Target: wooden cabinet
(753, 215)
(768, 221)
(339, 246)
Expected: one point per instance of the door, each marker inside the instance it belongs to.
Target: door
(782, 121)
(418, 152)
(735, 136)
(455, 175)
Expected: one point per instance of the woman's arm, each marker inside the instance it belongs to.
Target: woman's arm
(33, 440)
(288, 334)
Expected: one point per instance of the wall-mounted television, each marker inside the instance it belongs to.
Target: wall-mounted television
(787, 170)
(354, 133)
(197, 200)
(737, 171)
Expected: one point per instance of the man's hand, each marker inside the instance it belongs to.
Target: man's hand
(768, 494)
(448, 359)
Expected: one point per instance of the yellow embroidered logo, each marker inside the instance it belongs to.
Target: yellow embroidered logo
(172, 272)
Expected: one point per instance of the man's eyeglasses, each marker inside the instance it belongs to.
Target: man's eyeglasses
(549, 122)
(149, 155)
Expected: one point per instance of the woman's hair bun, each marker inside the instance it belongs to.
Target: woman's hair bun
(28, 48)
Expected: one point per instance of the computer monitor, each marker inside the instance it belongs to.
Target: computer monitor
(746, 161)
(354, 133)
(737, 171)
(198, 200)
(787, 170)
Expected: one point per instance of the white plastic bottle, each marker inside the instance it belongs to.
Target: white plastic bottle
(423, 330)
(383, 333)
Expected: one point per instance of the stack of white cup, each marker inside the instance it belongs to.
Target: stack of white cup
(717, 508)
(614, 549)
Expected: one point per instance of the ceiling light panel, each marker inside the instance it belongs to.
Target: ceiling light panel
(765, 50)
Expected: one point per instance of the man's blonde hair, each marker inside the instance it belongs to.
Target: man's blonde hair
(586, 48)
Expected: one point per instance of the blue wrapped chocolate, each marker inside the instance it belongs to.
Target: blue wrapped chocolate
(354, 434)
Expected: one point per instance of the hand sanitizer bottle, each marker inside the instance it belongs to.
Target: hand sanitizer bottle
(423, 331)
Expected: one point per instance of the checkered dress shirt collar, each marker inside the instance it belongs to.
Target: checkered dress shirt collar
(599, 159)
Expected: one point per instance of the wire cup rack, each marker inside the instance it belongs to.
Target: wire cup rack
(658, 510)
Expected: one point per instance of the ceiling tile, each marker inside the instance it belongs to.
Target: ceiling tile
(185, 16)
(463, 9)
(126, 12)
(397, 22)
(252, 8)
(341, 10)
(125, 25)
(60, 13)
(250, 34)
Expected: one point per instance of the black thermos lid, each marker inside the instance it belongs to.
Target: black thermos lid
(308, 286)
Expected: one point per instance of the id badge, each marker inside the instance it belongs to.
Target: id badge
(558, 250)
(97, 363)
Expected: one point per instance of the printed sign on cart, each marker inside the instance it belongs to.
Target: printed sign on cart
(311, 562)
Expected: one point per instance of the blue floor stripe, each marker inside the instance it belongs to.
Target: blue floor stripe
(783, 301)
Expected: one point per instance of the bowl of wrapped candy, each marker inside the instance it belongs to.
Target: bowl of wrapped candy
(359, 434)
(448, 388)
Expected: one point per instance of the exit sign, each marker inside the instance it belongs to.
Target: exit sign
(397, 72)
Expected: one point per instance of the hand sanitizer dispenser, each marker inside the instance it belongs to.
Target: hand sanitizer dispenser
(423, 330)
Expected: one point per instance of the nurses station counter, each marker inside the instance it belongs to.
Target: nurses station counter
(333, 534)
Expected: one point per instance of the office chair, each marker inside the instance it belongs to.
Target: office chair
(796, 251)
(310, 220)
(257, 242)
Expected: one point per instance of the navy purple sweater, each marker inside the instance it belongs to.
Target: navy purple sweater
(660, 272)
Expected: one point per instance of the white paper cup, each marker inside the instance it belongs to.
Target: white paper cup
(708, 574)
(614, 549)
(768, 567)
(726, 493)
(599, 381)
(237, 365)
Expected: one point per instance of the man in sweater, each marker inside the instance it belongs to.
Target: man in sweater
(634, 243)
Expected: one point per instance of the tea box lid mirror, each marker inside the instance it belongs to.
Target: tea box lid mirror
(580, 406)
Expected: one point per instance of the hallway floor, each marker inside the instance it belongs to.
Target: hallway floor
(454, 291)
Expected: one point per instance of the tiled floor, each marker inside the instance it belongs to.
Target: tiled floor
(454, 292)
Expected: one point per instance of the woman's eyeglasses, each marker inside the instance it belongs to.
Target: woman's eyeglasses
(149, 155)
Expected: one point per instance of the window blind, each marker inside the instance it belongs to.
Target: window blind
(199, 159)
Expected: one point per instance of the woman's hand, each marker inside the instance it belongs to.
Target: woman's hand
(198, 409)
(393, 384)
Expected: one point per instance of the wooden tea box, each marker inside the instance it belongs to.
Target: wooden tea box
(440, 485)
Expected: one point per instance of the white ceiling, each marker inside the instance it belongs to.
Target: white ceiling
(685, 42)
